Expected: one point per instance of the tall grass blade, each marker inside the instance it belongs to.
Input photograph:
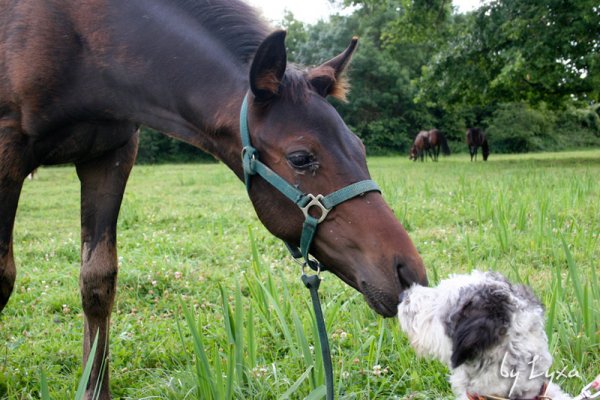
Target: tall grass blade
(217, 374)
(206, 384)
(233, 339)
(44, 393)
(573, 274)
(87, 370)
(98, 386)
(317, 394)
(251, 338)
(227, 315)
(292, 389)
(551, 311)
(285, 328)
(380, 341)
(239, 336)
(231, 368)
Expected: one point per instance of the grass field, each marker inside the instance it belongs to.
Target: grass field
(189, 240)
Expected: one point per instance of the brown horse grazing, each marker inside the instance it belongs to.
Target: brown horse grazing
(437, 142)
(476, 138)
(77, 78)
(430, 143)
(420, 146)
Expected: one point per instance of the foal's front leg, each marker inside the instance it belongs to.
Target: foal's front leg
(14, 167)
(103, 182)
(10, 190)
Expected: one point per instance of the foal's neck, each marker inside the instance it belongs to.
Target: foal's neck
(177, 77)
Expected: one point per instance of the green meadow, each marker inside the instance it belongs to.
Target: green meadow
(210, 305)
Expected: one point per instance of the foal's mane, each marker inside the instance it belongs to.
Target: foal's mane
(233, 23)
(241, 29)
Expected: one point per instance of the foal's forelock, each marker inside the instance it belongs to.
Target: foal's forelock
(298, 84)
(338, 87)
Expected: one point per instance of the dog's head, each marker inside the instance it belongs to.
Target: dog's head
(477, 323)
(455, 321)
(463, 317)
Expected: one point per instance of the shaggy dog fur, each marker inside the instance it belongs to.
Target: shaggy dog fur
(489, 332)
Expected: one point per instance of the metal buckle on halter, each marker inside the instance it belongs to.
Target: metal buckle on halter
(316, 201)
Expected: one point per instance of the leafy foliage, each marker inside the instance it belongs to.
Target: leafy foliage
(517, 50)
(517, 128)
(520, 128)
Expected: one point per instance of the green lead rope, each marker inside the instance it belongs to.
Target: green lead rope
(312, 282)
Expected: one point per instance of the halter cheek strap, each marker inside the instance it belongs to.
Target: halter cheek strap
(305, 201)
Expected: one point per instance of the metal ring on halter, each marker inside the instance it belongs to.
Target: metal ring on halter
(316, 201)
(248, 153)
(317, 269)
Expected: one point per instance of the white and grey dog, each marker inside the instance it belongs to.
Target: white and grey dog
(488, 331)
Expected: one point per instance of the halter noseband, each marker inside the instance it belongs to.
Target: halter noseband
(252, 166)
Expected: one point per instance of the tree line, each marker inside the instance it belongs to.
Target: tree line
(526, 71)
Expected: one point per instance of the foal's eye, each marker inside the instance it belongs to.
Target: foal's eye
(302, 160)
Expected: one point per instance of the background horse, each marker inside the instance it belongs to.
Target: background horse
(78, 78)
(420, 146)
(437, 141)
(430, 143)
(476, 138)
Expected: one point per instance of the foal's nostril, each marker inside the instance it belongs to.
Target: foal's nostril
(404, 276)
(408, 275)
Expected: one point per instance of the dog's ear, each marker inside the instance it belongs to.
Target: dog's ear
(479, 325)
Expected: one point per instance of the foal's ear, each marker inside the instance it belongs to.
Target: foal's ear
(327, 80)
(268, 66)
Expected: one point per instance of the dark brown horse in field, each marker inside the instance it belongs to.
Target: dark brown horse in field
(476, 138)
(437, 142)
(77, 78)
(430, 143)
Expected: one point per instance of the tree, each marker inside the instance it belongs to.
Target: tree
(521, 50)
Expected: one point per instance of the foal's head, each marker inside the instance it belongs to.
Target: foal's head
(300, 136)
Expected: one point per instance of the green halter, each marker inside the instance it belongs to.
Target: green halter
(305, 202)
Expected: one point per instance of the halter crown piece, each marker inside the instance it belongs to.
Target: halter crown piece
(305, 201)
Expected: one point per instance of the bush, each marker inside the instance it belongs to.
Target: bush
(384, 136)
(518, 128)
(156, 148)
